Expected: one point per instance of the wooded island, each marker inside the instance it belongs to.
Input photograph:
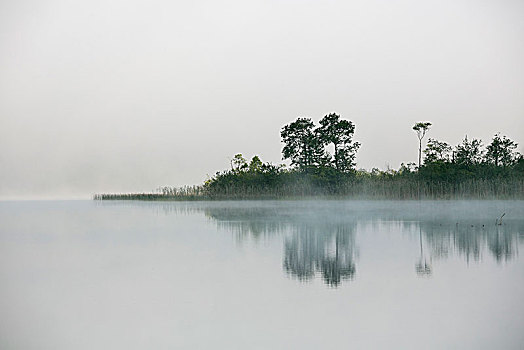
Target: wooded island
(322, 164)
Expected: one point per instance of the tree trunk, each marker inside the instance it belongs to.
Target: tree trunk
(419, 151)
(336, 157)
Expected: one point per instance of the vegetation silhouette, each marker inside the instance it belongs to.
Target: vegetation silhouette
(421, 128)
(467, 170)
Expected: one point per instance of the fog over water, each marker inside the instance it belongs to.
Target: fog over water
(127, 96)
(262, 274)
(123, 96)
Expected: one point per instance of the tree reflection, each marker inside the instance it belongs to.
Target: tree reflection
(422, 267)
(319, 236)
(324, 249)
(502, 245)
(312, 245)
(472, 240)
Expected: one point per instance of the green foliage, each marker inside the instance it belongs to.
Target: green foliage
(238, 163)
(255, 165)
(301, 144)
(470, 161)
(339, 133)
(465, 171)
(421, 128)
(305, 145)
(437, 151)
(501, 151)
(469, 152)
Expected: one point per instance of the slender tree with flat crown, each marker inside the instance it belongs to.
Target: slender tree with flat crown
(421, 128)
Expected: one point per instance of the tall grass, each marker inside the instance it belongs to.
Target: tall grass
(186, 193)
(356, 188)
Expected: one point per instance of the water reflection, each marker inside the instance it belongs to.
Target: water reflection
(322, 241)
(470, 240)
(322, 238)
(423, 265)
(325, 249)
(312, 245)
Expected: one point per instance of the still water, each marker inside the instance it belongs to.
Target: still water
(262, 275)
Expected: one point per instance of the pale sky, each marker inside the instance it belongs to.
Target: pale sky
(124, 96)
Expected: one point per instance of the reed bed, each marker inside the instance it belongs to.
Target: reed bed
(363, 188)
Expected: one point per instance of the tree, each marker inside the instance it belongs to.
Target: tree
(255, 165)
(469, 152)
(421, 128)
(339, 133)
(406, 168)
(301, 144)
(501, 151)
(436, 151)
(238, 163)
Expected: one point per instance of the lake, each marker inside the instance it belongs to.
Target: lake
(261, 275)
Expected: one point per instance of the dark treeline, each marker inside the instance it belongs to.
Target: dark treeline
(322, 163)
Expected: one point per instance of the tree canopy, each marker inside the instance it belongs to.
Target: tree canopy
(306, 145)
(301, 144)
(339, 133)
(437, 151)
(501, 151)
(469, 152)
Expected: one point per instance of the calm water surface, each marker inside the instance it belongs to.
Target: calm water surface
(261, 275)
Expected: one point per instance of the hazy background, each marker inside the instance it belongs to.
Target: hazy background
(99, 96)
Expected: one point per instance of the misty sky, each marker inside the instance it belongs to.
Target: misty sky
(110, 96)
